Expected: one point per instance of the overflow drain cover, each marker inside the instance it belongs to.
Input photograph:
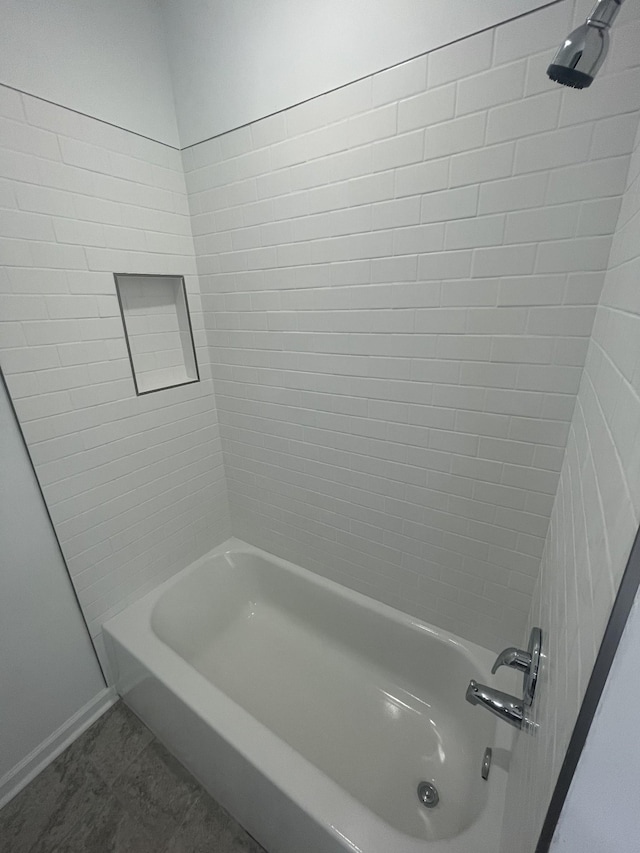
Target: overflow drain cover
(428, 795)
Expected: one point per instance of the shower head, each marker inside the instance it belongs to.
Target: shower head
(580, 56)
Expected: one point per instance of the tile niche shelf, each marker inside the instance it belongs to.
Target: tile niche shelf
(157, 327)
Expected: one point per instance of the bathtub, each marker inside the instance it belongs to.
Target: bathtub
(311, 712)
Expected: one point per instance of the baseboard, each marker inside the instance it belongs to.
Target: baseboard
(20, 775)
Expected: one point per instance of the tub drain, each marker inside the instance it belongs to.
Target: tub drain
(428, 795)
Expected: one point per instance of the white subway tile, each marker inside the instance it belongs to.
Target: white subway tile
(17, 136)
(18, 307)
(512, 194)
(524, 349)
(490, 88)
(422, 178)
(598, 179)
(452, 137)
(485, 164)
(267, 131)
(36, 357)
(371, 188)
(372, 126)
(73, 231)
(11, 335)
(25, 226)
(579, 254)
(399, 151)
(399, 212)
(534, 377)
(85, 156)
(444, 265)
(538, 431)
(398, 270)
(7, 195)
(348, 101)
(44, 200)
(553, 149)
(400, 82)
(11, 104)
(460, 59)
(422, 238)
(431, 107)
(526, 290)
(615, 94)
(479, 231)
(614, 136)
(542, 224)
(598, 217)
(63, 307)
(526, 117)
(497, 321)
(503, 261)
(449, 204)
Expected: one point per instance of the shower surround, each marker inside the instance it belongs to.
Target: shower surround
(594, 521)
(398, 281)
(134, 485)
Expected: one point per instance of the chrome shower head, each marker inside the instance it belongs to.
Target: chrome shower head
(579, 58)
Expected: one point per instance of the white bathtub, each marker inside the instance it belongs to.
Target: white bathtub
(312, 712)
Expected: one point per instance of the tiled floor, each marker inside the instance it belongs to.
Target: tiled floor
(118, 790)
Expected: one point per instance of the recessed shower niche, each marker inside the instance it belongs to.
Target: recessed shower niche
(157, 326)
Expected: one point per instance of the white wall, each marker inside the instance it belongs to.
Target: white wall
(593, 524)
(232, 62)
(135, 485)
(235, 62)
(601, 810)
(104, 59)
(399, 281)
(48, 669)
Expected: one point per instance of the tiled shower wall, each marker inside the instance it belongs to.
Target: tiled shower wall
(134, 485)
(399, 281)
(593, 524)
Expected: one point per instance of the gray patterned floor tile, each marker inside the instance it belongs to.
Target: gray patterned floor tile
(113, 830)
(116, 789)
(157, 791)
(113, 742)
(46, 811)
(208, 828)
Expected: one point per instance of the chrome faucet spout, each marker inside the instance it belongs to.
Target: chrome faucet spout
(503, 705)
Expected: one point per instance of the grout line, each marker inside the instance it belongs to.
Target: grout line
(371, 74)
(284, 109)
(87, 115)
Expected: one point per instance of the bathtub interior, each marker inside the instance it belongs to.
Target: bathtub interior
(375, 704)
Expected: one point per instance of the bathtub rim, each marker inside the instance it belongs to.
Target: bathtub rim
(331, 806)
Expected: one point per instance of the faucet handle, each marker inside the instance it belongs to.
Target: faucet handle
(515, 658)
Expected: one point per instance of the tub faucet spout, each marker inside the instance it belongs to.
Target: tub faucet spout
(503, 705)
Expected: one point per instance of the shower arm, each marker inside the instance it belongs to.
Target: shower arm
(604, 13)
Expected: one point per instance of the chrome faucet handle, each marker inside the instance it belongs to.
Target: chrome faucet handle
(515, 658)
(528, 663)
(503, 705)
